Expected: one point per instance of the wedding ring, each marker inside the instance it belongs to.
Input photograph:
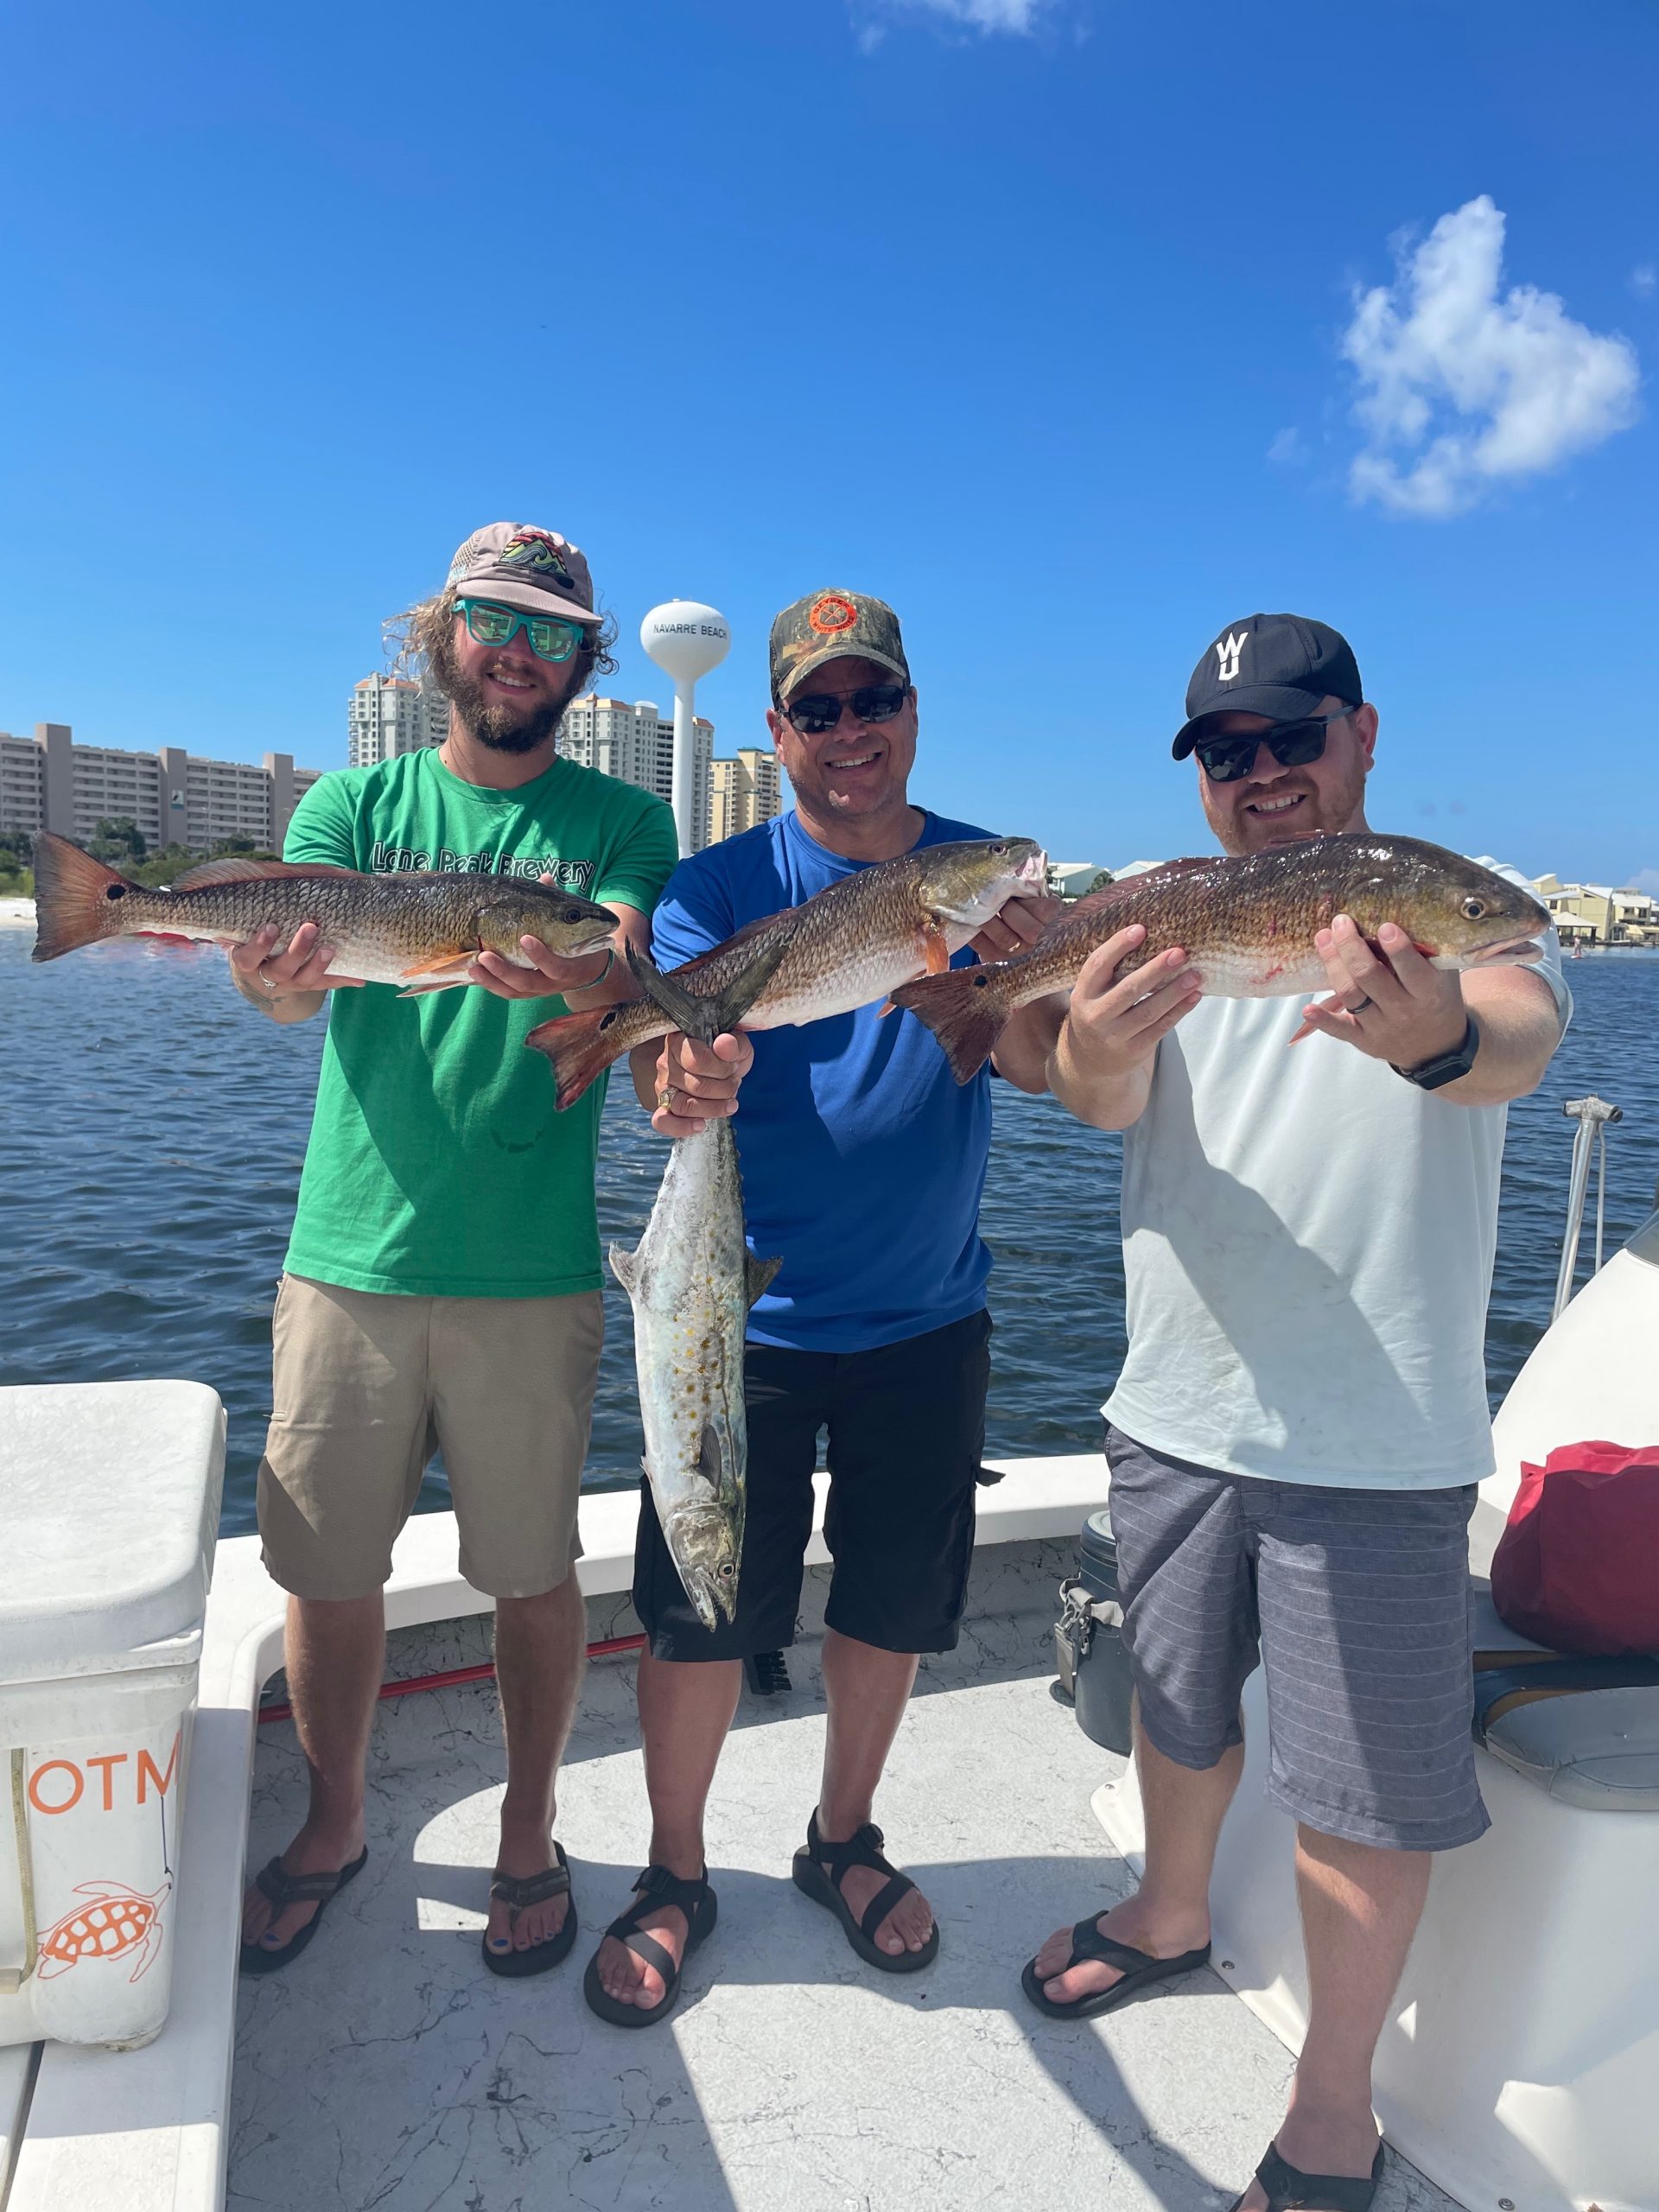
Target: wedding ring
(1360, 1005)
(266, 981)
(666, 1096)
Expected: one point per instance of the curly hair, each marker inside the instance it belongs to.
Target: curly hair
(420, 644)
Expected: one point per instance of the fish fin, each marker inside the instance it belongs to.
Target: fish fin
(441, 984)
(624, 1266)
(236, 868)
(706, 1018)
(963, 1010)
(580, 1047)
(77, 898)
(885, 1008)
(758, 1275)
(453, 956)
(935, 949)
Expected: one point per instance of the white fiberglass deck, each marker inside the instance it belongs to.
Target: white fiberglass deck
(388, 2070)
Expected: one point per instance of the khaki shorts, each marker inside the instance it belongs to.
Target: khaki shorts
(367, 1387)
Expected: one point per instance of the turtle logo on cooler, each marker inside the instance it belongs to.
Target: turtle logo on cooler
(117, 1923)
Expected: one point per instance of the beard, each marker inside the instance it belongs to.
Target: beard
(504, 728)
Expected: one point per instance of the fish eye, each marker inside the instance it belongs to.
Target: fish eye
(1474, 908)
(726, 1570)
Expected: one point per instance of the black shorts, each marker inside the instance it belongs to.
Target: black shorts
(906, 1426)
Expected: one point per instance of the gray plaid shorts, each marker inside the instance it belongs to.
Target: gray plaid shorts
(1357, 1603)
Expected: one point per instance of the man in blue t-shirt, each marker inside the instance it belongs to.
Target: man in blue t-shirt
(863, 1163)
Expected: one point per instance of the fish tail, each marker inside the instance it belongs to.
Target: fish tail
(77, 898)
(580, 1047)
(706, 1018)
(965, 1010)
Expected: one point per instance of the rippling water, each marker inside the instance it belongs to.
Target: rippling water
(155, 1127)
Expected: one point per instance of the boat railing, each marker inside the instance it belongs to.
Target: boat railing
(1592, 1115)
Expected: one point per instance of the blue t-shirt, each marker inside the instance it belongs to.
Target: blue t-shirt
(863, 1159)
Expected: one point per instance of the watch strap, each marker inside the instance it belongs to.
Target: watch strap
(1446, 1067)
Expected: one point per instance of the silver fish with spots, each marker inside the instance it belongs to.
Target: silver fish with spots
(691, 1279)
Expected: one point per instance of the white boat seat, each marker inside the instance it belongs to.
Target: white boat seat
(1598, 1748)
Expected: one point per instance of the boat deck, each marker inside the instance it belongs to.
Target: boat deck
(388, 2069)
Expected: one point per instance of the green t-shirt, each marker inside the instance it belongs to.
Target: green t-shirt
(438, 1164)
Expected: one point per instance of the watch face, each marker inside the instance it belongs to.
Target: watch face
(1449, 1066)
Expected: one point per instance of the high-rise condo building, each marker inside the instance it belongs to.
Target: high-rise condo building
(744, 791)
(389, 715)
(49, 782)
(636, 744)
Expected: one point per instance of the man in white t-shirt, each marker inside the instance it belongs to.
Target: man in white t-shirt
(1301, 1419)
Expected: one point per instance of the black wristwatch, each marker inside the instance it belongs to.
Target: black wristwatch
(1446, 1067)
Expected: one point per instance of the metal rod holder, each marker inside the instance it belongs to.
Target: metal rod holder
(1592, 1115)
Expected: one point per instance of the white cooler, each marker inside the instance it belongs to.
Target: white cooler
(108, 1507)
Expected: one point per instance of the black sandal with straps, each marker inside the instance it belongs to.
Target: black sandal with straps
(281, 1889)
(655, 1888)
(1136, 1969)
(819, 1867)
(519, 1893)
(1289, 2190)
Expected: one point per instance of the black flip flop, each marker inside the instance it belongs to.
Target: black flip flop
(282, 1889)
(654, 1888)
(519, 1892)
(1138, 1970)
(1289, 2190)
(818, 1869)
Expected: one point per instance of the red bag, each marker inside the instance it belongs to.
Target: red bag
(1577, 1567)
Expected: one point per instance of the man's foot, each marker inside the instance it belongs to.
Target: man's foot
(1321, 2143)
(1128, 1923)
(671, 1914)
(527, 1849)
(313, 1851)
(910, 1923)
(630, 1979)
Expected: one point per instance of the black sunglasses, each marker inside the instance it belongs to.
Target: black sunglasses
(821, 710)
(1293, 744)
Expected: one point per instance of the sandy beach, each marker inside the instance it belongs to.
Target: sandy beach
(16, 913)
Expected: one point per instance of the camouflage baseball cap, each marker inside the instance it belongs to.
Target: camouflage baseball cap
(829, 626)
(522, 566)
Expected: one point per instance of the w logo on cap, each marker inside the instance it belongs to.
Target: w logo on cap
(1228, 649)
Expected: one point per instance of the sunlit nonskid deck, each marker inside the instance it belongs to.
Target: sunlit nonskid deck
(389, 2070)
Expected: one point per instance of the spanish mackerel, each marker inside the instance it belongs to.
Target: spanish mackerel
(1246, 925)
(845, 947)
(421, 929)
(691, 1279)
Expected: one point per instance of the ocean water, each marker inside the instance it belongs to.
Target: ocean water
(154, 1128)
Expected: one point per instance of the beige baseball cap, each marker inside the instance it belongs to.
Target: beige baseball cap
(523, 567)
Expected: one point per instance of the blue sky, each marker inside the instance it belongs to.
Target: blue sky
(1043, 319)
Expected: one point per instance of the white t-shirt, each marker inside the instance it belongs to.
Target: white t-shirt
(1307, 1249)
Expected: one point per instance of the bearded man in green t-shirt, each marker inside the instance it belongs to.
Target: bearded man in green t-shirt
(442, 1288)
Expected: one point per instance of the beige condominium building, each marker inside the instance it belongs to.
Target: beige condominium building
(49, 782)
(743, 790)
(1600, 913)
(389, 715)
(635, 743)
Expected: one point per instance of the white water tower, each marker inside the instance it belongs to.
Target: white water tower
(686, 639)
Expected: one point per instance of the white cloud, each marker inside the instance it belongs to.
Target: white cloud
(1645, 879)
(1289, 449)
(1020, 18)
(1644, 277)
(1463, 389)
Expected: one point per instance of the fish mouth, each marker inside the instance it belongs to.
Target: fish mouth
(711, 1596)
(1512, 952)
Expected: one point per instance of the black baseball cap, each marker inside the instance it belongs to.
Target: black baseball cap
(1277, 664)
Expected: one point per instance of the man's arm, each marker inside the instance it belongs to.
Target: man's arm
(1409, 1012)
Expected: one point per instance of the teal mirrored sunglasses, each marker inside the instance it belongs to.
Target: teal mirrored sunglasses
(489, 623)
